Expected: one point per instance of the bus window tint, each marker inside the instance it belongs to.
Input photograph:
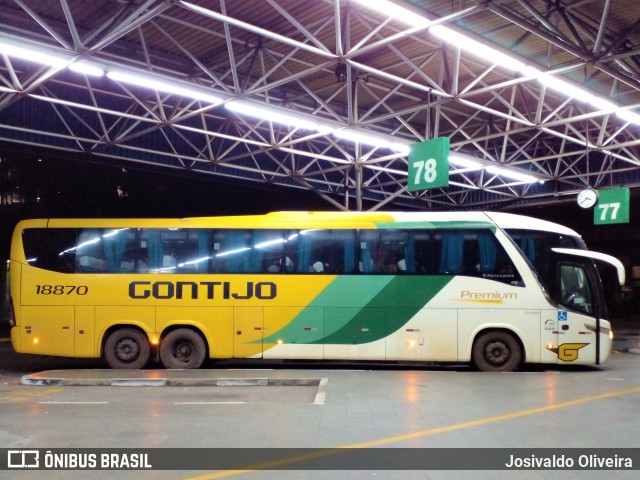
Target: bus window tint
(474, 253)
(174, 251)
(574, 288)
(186, 251)
(537, 245)
(50, 248)
(267, 251)
(194, 255)
(322, 251)
(247, 251)
(393, 251)
(106, 250)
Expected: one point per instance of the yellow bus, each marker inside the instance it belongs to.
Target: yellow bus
(437, 287)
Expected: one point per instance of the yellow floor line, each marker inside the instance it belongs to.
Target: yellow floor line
(419, 434)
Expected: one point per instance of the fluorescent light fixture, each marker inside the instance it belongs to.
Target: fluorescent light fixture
(629, 116)
(603, 105)
(476, 48)
(273, 115)
(33, 55)
(371, 140)
(508, 173)
(465, 162)
(87, 68)
(492, 55)
(474, 165)
(395, 11)
(386, 169)
(450, 36)
(573, 91)
(400, 148)
(161, 86)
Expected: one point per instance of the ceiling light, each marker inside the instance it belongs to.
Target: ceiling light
(33, 55)
(473, 164)
(629, 116)
(465, 162)
(147, 81)
(450, 36)
(508, 173)
(395, 11)
(371, 140)
(476, 48)
(272, 115)
(561, 86)
(495, 56)
(87, 68)
(602, 104)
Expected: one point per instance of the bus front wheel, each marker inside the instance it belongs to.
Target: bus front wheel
(182, 348)
(497, 351)
(127, 348)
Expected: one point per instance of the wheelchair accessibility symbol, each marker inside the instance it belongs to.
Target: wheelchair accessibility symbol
(562, 315)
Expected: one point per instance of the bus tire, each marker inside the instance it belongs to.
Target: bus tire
(497, 351)
(182, 348)
(127, 348)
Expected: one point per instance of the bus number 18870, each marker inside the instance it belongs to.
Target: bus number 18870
(61, 289)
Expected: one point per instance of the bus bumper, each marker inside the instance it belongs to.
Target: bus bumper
(606, 341)
(15, 339)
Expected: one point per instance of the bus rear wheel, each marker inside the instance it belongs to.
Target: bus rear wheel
(127, 348)
(182, 348)
(497, 351)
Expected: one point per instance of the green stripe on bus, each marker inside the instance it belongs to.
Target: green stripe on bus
(397, 303)
(357, 310)
(350, 292)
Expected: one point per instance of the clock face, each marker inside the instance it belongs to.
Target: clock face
(587, 198)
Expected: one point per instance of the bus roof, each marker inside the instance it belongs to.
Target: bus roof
(309, 219)
(523, 222)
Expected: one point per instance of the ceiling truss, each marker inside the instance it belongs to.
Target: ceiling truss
(341, 63)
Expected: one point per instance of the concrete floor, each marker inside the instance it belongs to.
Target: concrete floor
(284, 405)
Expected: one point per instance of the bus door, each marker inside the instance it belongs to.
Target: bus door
(581, 305)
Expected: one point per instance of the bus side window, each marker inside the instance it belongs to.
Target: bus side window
(119, 248)
(475, 253)
(267, 252)
(369, 241)
(51, 248)
(105, 250)
(90, 253)
(193, 254)
(158, 250)
(322, 251)
(232, 250)
(450, 246)
(423, 248)
(389, 251)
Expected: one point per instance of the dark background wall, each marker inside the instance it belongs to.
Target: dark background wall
(36, 186)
